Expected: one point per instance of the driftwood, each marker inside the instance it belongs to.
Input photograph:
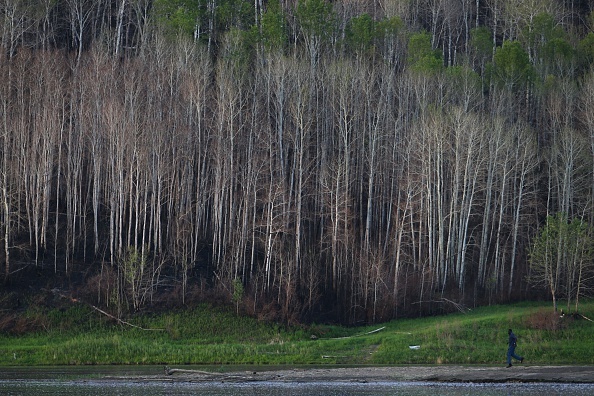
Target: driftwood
(201, 375)
(171, 371)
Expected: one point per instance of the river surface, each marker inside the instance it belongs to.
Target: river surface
(87, 381)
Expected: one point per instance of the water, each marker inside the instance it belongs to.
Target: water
(87, 381)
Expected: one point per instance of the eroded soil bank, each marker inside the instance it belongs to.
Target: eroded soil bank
(438, 373)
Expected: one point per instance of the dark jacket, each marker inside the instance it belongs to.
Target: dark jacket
(513, 340)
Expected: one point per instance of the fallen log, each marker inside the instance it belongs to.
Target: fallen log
(356, 335)
(121, 321)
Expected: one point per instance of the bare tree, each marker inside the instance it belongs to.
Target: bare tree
(524, 181)
(16, 21)
(5, 136)
(585, 103)
(80, 13)
(47, 108)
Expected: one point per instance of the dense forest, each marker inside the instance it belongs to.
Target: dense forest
(351, 161)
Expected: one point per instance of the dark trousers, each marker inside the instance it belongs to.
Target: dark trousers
(511, 353)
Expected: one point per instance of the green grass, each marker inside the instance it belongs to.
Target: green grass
(212, 336)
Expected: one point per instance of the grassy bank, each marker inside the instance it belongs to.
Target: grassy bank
(81, 335)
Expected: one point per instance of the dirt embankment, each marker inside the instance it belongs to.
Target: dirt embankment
(442, 373)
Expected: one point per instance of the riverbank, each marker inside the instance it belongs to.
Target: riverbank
(415, 373)
(477, 374)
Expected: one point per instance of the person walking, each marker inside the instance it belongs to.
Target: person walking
(511, 348)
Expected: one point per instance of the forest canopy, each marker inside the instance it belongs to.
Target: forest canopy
(350, 161)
